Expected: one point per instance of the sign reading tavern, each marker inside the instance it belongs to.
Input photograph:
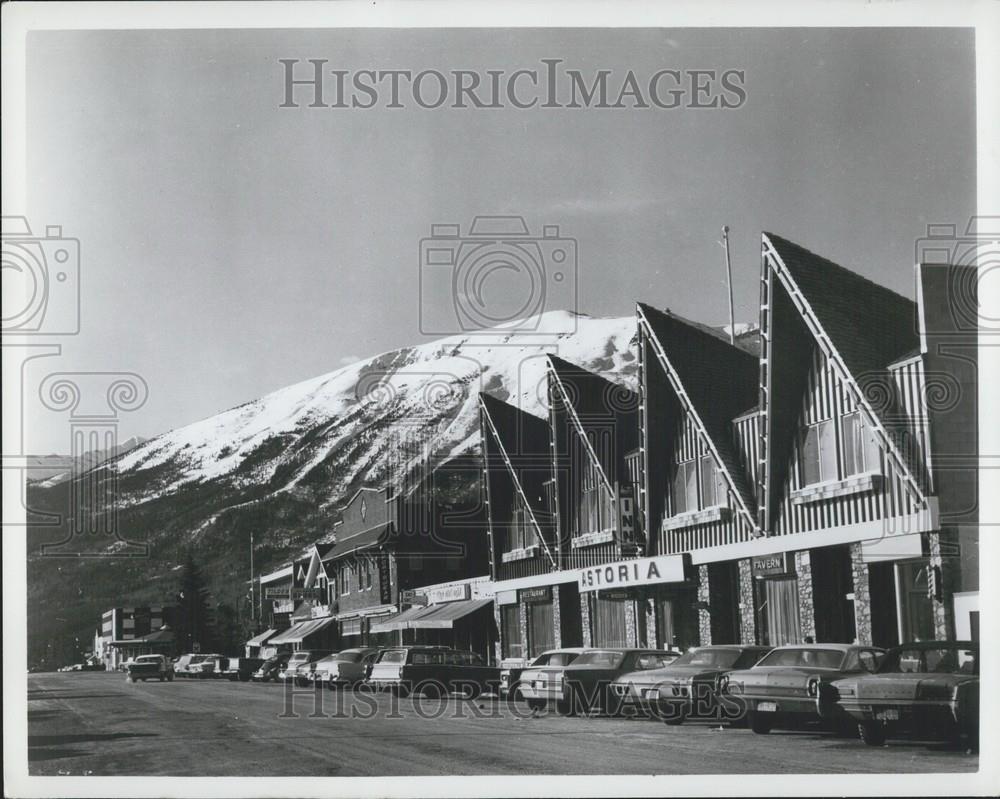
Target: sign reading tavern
(626, 573)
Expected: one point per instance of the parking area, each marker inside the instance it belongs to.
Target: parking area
(97, 723)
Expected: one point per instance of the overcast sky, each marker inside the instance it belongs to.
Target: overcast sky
(231, 247)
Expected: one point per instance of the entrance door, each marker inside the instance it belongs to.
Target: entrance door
(833, 582)
(916, 614)
(779, 611)
(541, 628)
(666, 627)
(882, 593)
(723, 587)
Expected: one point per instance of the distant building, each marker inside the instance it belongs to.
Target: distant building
(129, 631)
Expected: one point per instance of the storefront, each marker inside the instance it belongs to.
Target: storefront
(309, 634)
(259, 646)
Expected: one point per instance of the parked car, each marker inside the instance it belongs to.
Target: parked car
(433, 671)
(303, 657)
(541, 682)
(927, 687)
(343, 668)
(210, 665)
(150, 667)
(241, 668)
(783, 688)
(689, 686)
(587, 680)
(271, 668)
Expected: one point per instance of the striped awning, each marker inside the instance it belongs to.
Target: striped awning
(398, 622)
(299, 632)
(432, 617)
(257, 640)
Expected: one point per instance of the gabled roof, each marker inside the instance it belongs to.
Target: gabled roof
(720, 382)
(590, 396)
(523, 440)
(862, 326)
(869, 325)
(374, 536)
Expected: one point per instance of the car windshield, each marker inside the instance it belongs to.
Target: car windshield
(931, 660)
(198, 658)
(600, 658)
(806, 658)
(298, 657)
(393, 656)
(720, 658)
(148, 659)
(346, 657)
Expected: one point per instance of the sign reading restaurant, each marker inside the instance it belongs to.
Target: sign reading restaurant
(628, 573)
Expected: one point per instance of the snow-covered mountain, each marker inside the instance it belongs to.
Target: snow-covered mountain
(51, 470)
(377, 417)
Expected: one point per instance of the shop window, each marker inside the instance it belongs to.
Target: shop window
(779, 608)
(819, 453)
(607, 620)
(541, 628)
(510, 631)
(861, 452)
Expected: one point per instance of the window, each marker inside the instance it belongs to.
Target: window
(713, 486)
(510, 631)
(522, 531)
(607, 619)
(861, 452)
(594, 512)
(685, 488)
(345, 576)
(819, 453)
(541, 628)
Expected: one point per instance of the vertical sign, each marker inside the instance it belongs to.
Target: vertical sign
(384, 587)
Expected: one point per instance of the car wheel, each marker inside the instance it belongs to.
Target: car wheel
(566, 707)
(760, 723)
(162, 678)
(872, 733)
(170, 678)
(430, 690)
(674, 716)
(536, 704)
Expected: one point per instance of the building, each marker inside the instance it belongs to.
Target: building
(386, 545)
(835, 460)
(567, 550)
(129, 631)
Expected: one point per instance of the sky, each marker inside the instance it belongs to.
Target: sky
(230, 247)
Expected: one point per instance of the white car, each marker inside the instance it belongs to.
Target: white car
(343, 668)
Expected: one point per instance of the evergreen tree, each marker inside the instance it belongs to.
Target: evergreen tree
(193, 621)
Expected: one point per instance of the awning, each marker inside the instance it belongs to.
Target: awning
(398, 622)
(299, 632)
(443, 617)
(257, 640)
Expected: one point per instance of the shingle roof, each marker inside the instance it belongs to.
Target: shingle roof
(593, 396)
(720, 380)
(869, 325)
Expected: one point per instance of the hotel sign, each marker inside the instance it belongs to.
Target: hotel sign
(629, 573)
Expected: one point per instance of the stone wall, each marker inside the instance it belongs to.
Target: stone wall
(747, 607)
(862, 597)
(947, 567)
(807, 610)
(703, 607)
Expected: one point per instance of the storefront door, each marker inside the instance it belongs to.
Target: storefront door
(666, 633)
(916, 615)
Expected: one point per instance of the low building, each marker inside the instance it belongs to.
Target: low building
(125, 631)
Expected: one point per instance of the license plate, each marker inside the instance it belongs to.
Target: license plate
(887, 714)
(651, 693)
(767, 707)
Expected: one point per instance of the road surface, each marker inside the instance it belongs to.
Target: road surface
(97, 723)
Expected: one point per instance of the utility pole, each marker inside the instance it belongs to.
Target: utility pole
(729, 283)
(253, 602)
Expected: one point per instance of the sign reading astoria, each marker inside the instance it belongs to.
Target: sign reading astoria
(626, 573)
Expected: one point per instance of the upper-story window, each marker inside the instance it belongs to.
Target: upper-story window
(594, 511)
(697, 484)
(859, 450)
(522, 531)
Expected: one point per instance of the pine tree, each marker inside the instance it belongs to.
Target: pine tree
(193, 622)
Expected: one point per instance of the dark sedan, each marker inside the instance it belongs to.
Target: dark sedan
(783, 689)
(689, 687)
(587, 680)
(271, 667)
(930, 687)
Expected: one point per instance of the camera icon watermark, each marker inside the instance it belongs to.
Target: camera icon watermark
(41, 280)
(497, 275)
(971, 257)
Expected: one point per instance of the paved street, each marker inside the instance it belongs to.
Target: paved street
(97, 723)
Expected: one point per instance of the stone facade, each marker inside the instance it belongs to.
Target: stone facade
(862, 596)
(703, 606)
(747, 608)
(946, 569)
(807, 609)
